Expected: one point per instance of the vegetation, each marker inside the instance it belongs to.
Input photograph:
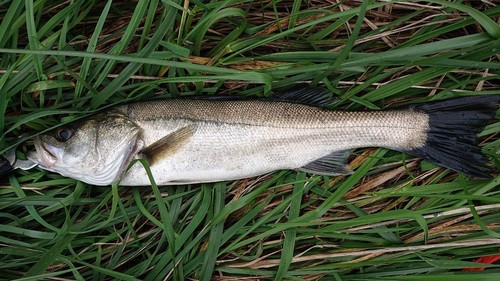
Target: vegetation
(396, 218)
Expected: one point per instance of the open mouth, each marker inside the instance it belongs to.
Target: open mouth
(46, 154)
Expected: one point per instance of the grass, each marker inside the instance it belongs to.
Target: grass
(61, 60)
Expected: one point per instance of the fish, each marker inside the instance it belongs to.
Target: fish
(200, 140)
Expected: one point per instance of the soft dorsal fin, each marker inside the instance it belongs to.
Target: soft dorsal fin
(333, 164)
(320, 97)
(169, 144)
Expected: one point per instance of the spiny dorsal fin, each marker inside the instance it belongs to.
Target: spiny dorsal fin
(168, 145)
(333, 164)
(320, 97)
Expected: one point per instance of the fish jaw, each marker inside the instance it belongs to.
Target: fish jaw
(45, 154)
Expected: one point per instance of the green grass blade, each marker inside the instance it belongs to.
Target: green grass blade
(86, 64)
(486, 22)
(287, 252)
(214, 239)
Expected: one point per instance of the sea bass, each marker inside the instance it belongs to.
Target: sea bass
(189, 141)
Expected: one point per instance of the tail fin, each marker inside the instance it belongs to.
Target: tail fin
(453, 126)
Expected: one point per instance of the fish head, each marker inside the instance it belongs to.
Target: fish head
(96, 150)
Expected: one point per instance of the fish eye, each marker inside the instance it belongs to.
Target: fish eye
(63, 134)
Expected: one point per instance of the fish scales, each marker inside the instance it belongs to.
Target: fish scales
(237, 139)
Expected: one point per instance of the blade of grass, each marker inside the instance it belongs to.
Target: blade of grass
(215, 237)
(487, 23)
(12, 12)
(86, 64)
(33, 37)
(287, 251)
(346, 50)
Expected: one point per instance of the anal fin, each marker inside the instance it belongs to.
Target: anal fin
(168, 145)
(333, 164)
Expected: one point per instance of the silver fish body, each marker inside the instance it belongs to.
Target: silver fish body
(196, 140)
(239, 139)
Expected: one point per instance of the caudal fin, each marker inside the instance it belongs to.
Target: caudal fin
(453, 127)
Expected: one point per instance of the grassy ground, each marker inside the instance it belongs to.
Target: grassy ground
(60, 60)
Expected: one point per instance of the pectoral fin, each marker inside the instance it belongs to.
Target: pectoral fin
(168, 145)
(333, 164)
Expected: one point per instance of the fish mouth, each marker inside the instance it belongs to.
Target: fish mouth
(46, 154)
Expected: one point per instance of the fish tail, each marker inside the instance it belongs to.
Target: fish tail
(453, 128)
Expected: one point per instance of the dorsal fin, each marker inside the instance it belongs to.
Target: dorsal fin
(320, 97)
(220, 97)
(333, 164)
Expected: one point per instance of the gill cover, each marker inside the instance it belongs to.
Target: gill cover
(95, 151)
